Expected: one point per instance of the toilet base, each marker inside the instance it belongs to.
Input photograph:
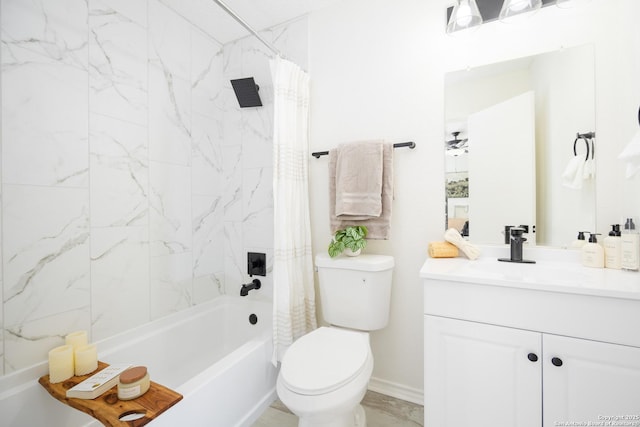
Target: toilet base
(357, 418)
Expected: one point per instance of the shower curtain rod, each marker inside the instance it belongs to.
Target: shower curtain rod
(247, 27)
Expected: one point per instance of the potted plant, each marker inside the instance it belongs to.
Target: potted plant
(350, 240)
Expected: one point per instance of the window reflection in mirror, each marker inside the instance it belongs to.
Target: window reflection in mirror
(516, 164)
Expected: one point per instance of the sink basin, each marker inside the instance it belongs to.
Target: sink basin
(546, 273)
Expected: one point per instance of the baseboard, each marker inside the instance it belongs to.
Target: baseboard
(399, 391)
(258, 409)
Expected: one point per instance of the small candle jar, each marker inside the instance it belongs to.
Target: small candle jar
(133, 383)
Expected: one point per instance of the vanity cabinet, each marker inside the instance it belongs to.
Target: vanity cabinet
(551, 344)
(486, 375)
(479, 375)
(589, 381)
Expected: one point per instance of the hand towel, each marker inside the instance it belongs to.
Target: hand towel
(378, 227)
(573, 174)
(631, 154)
(589, 169)
(453, 236)
(442, 250)
(359, 180)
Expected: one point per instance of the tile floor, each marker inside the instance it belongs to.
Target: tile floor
(381, 410)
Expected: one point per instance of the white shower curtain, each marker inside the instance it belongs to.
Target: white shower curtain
(293, 290)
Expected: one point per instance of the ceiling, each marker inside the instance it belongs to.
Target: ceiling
(259, 14)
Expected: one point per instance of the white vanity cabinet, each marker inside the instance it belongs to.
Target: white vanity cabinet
(515, 347)
(486, 375)
(593, 382)
(479, 375)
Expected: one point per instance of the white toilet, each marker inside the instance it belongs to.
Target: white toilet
(324, 374)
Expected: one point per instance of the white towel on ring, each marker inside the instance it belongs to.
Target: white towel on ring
(573, 175)
(631, 154)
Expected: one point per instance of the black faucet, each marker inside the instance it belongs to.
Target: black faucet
(516, 241)
(255, 284)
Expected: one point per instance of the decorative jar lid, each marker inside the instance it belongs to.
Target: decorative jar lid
(132, 375)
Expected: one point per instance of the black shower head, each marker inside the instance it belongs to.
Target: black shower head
(247, 92)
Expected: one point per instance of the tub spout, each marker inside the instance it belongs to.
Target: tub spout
(255, 284)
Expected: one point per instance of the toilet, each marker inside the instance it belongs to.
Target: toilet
(324, 374)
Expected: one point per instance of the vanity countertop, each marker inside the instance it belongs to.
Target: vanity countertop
(555, 270)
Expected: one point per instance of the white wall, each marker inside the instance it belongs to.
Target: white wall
(377, 70)
(371, 77)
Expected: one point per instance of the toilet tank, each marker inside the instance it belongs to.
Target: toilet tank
(355, 292)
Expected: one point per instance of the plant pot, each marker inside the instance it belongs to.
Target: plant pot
(349, 252)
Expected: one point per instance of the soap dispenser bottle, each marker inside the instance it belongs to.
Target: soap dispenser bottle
(630, 242)
(613, 248)
(580, 241)
(593, 253)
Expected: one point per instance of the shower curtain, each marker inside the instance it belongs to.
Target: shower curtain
(293, 290)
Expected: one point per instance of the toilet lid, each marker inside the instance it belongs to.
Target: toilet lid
(324, 360)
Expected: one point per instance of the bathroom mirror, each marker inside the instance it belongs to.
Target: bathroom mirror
(509, 138)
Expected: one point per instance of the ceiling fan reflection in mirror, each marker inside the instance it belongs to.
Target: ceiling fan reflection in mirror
(455, 146)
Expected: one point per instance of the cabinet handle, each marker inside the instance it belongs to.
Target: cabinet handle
(556, 361)
(532, 357)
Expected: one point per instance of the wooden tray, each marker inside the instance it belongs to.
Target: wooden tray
(108, 409)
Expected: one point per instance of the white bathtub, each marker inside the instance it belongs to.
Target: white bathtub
(210, 353)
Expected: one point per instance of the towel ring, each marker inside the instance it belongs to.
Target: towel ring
(586, 141)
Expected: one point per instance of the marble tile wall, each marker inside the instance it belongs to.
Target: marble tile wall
(247, 149)
(132, 183)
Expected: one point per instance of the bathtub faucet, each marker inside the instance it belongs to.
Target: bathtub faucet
(255, 284)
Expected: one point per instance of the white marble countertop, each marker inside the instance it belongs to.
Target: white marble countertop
(555, 270)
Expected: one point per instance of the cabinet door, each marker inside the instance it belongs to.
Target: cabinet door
(481, 375)
(593, 381)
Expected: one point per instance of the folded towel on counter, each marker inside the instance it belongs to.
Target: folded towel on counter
(378, 227)
(453, 236)
(359, 180)
(442, 250)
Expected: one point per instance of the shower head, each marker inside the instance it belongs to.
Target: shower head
(247, 92)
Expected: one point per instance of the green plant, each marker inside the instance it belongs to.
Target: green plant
(352, 237)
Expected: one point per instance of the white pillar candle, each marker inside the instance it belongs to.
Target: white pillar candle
(86, 359)
(60, 364)
(76, 339)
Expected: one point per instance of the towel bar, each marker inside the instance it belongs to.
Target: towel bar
(409, 144)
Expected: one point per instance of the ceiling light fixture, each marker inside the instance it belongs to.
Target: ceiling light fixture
(513, 8)
(465, 15)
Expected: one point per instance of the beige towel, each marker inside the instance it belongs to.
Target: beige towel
(359, 180)
(378, 227)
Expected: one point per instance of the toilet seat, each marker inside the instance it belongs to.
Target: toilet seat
(324, 360)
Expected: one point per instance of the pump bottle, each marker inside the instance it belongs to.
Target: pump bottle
(630, 242)
(580, 241)
(613, 248)
(593, 253)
